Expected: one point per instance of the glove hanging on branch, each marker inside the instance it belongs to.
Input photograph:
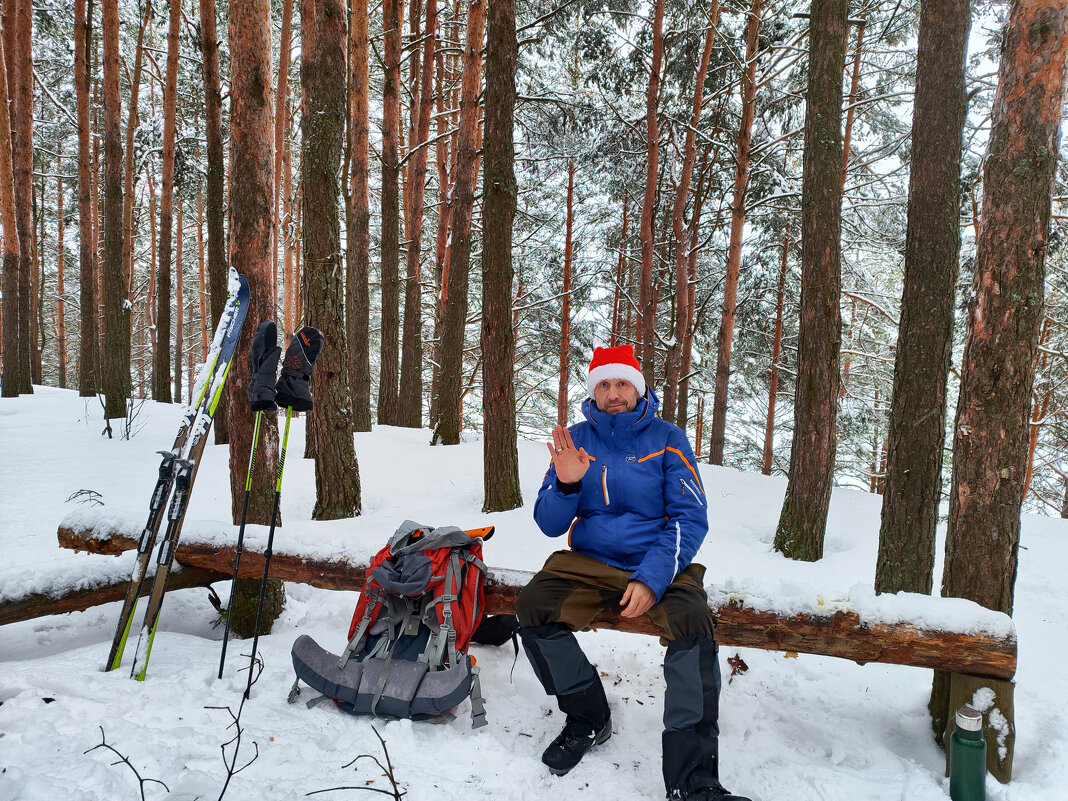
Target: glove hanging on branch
(294, 387)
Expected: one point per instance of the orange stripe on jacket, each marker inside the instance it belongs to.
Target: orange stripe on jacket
(686, 462)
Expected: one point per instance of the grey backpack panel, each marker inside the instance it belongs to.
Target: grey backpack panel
(409, 690)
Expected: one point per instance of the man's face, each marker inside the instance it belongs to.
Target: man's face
(615, 395)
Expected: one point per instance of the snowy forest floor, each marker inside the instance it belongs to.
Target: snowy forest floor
(804, 727)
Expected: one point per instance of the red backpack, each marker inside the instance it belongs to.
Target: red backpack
(406, 657)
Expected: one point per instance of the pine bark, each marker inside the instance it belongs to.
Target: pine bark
(132, 121)
(411, 383)
(449, 425)
(358, 238)
(322, 70)
(776, 354)
(998, 367)
(61, 266)
(116, 373)
(161, 378)
(215, 188)
(251, 128)
(916, 434)
(500, 454)
(388, 374)
(646, 304)
(803, 520)
(179, 307)
(18, 52)
(9, 385)
(281, 125)
(619, 297)
(565, 311)
(679, 228)
(725, 338)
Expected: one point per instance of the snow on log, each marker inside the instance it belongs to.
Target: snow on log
(948, 634)
(77, 599)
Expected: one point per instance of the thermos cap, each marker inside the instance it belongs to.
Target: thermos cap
(969, 719)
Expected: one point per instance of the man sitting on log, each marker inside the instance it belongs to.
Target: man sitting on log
(634, 523)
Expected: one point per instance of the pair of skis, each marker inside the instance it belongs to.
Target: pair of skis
(177, 472)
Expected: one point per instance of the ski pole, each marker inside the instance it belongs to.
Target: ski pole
(267, 553)
(240, 538)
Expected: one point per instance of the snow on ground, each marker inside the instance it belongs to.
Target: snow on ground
(807, 728)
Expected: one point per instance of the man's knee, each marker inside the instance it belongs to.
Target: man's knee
(533, 607)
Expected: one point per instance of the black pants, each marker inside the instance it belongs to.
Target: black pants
(569, 591)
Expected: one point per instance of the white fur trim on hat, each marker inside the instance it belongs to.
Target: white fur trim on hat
(624, 371)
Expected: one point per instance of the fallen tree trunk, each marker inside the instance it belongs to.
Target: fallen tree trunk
(841, 633)
(37, 605)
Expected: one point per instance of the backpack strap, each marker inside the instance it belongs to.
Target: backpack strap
(359, 638)
(478, 704)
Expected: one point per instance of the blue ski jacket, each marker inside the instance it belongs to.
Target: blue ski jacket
(641, 506)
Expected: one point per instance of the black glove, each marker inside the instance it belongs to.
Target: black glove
(262, 365)
(294, 389)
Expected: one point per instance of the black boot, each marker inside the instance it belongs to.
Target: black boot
(713, 793)
(564, 671)
(589, 723)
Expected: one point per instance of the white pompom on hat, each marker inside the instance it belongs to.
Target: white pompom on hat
(617, 362)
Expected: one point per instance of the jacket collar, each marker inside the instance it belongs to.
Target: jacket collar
(624, 422)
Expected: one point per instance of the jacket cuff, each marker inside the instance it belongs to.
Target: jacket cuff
(569, 489)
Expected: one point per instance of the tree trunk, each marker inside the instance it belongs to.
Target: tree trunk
(725, 338)
(204, 305)
(18, 51)
(646, 306)
(179, 308)
(162, 372)
(916, 434)
(803, 521)
(281, 124)
(678, 218)
(454, 323)
(251, 129)
(500, 454)
(61, 266)
(358, 237)
(215, 189)
(565, 311)
(132, 121)
(998, 367)
(411, 384)
(441, 273)
(619, 295)
(776, 352)
(388, 378)
(116, 372)
(9, 384)
(322, 73)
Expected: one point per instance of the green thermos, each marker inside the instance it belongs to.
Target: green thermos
(967, 757)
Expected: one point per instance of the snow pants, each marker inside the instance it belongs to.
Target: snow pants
(568, 592)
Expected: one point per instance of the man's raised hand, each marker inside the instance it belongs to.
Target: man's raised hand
(571, 462)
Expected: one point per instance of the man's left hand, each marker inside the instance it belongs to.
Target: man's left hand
(637, 600)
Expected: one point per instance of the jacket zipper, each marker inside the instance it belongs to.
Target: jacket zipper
(686, 486)
(604, 483)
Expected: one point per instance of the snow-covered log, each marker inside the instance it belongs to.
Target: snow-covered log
(948, 634)
(76, 599)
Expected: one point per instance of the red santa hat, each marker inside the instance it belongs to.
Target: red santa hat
(618, 362)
